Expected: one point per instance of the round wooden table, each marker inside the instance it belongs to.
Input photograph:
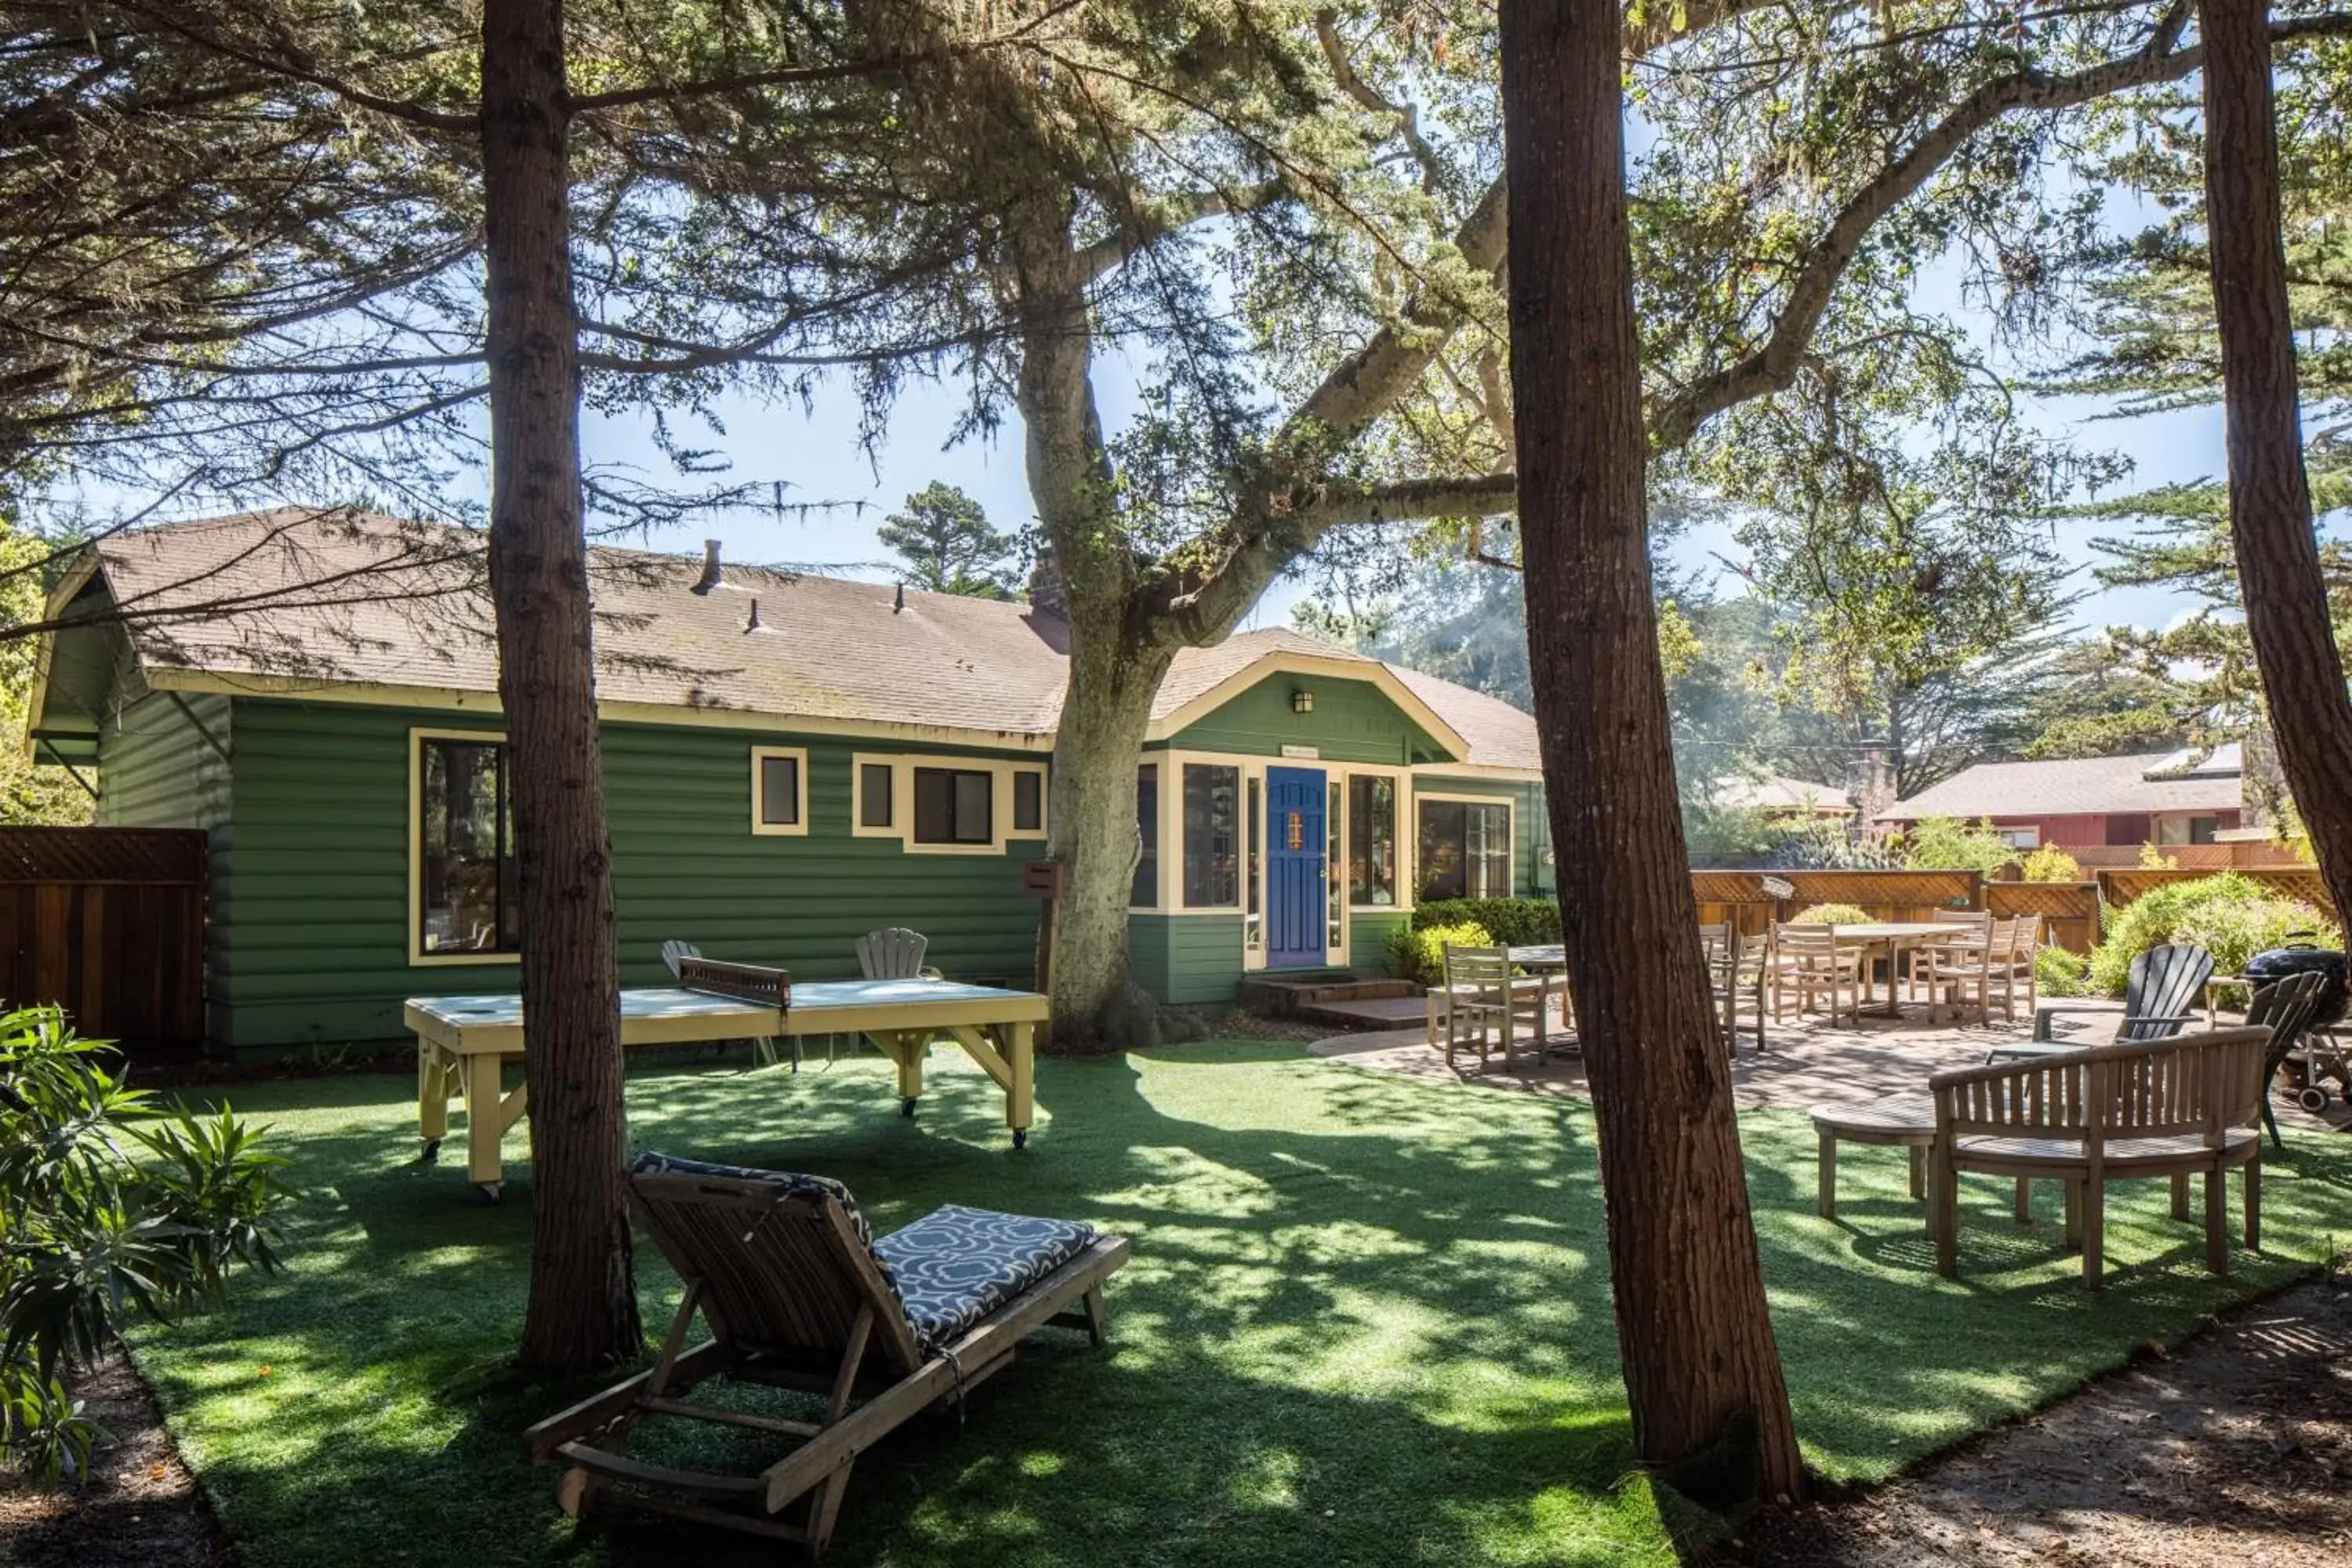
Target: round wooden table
(1896, 1121)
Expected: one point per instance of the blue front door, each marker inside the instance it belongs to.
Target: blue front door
(1295, 882)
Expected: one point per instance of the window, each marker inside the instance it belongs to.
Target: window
(1145, 893)
(2202, 828)
(1335, 875)
(464, 885)
(874, 793)
(1371, 840)
(1466, 850)
(2020, 838)
(1213, 866)
(954, 805)
(779, 790)
(1253, 927)
(1028, 802)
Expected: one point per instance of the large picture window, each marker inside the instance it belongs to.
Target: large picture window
(1213, 838)
(1144, 893)
(1466, 850)
(954, 805)
(465, 899)
(1371, 840)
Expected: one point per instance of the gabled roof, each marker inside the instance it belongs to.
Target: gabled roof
(2076, 786)
(1775, 792)
(301, 601)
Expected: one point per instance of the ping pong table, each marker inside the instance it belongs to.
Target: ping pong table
(463, 1042)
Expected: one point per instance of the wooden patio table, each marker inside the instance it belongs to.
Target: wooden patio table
(1897, 1121)
(1894, 936)
(462, 1042)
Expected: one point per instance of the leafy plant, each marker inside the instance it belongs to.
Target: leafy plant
(111, 1206)
(1944, 843)
(1418, 954)
(2229, 916)
(2151, 859)
(1514, 922)
(2051, 864)
(1834, 915)
(2061, 972)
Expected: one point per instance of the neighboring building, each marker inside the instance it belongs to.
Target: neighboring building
(789, 761)
(2089, 803)
(1784, 796)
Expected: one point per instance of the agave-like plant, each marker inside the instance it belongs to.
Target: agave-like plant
(112, 1205)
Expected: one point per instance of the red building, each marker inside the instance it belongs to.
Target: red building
(2164, 798)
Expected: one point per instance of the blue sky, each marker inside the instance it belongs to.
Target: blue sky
(815, 450)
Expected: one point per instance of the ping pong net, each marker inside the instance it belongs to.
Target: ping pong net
(743, 982)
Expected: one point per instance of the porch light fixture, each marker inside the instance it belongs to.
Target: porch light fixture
(1302, 701)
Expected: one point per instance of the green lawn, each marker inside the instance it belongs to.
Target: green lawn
(1368, 1321)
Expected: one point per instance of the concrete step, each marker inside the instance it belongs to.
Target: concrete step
(1406, 1012)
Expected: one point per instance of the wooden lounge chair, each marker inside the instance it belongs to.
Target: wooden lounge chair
(797, 1292)
(2180, 1107)
(2160, 996)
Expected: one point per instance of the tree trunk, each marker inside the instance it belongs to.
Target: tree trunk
(583, 1303)
(1113, 675)
(2269, 501)
(1702, 1371)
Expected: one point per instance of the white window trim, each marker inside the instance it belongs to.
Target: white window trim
(902, 765)
(1509, 803)
(1161, 903)
(413, 942)
(798, 827)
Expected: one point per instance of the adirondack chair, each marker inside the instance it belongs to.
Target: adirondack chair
(763, 1050)
(674, 950)
(2285, 1007)
(2159, 1000)
(893, 953)
(796, 1291)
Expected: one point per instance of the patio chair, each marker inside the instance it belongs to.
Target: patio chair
(1729, 973)
(2160, 994)
(2185, 1106)
(674, 950)
(1966, 925)
(2286, 1008)
(893, 953)
(1481, 991)
(1811, 962)
(1993, 965)
(797, 1292)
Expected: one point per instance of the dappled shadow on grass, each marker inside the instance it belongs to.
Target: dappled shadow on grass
(1368, 1320)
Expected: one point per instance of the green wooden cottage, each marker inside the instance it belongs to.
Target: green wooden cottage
(790, 761)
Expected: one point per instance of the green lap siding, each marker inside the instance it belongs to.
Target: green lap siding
(1368, 941)
(1353, 722)
(317, 911)
(1187, 960)
(157, 768)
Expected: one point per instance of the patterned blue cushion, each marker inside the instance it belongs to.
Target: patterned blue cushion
(955, 1266)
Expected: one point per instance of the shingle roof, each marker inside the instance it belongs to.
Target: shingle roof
(2070, 787)
(358, 597)
(1775, 793)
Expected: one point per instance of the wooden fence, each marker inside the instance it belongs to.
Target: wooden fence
(2205, 858)
(1740, 897)
(108, 923)
(2069, 910)
(2120, 887)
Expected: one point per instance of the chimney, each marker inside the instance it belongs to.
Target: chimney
(1046, 593)
(711, 575)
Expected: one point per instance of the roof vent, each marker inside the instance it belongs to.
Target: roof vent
(898, 600)
(710, 576)
(753, 624)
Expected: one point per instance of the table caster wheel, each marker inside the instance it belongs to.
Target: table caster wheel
(907, 1106)
(430, 1152)
(2313, 1100)
(1021, 1138)
(490, 1191)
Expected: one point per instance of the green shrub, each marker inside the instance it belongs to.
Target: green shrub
(2061, 972)
(2229, 916)
(1942, 842)
(1834, 915)
(1418, 954)
(2051, 864)
(110, 1205)
(1514, 922)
